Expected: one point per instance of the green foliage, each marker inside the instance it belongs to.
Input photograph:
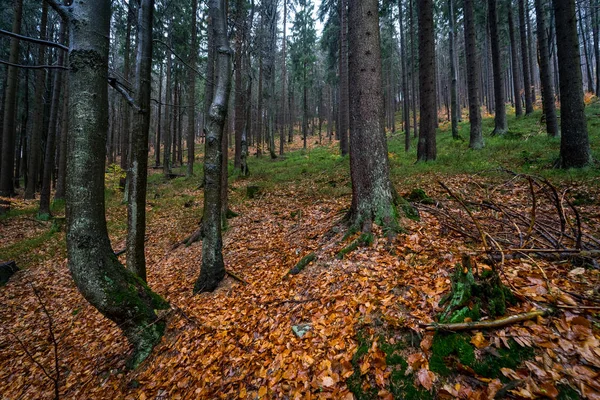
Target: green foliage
(112, 177)
(566, 392)
(365, 239)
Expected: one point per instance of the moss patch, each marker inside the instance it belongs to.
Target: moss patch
(450, 349)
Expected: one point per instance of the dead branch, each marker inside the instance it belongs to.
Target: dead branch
(236, 277)
(497, 323)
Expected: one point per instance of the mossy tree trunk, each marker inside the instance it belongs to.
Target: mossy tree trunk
(138, 173)
(372, 191)
(117, 293)
(213, 268)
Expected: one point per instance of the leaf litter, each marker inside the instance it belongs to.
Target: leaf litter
(239, 342)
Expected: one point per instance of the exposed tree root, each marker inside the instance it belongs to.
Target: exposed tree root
(493, 324)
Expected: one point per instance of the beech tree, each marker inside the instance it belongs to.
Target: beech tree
(500, 125)
(473, 71)
(212, 270)
(117, 293)
(372, 191)
(426, 150)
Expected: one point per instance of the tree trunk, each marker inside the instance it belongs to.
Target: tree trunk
(453, 92)
(159, 119)
(594, 4)
(52, 126)
(213, 268)
(167, 132)
(239, 83)
(527, 84)
(343, 79)
(426, 150)
(126, 132)
(9, 126)
(574, 144)
(104, 282)
(500, 125)
(35, 144)
(405, 89)
(191, 130)
(283, 81)
(548, 101)
(588, 64)
(62, 159)
(473, 72)
(138, 173)
(515, 63)
(372, 191)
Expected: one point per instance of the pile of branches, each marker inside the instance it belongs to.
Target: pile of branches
(524, 215)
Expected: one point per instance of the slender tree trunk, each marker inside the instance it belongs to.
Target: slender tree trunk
(548, 100)
(213, 268)
(453, 92)
(9, 126)
(283, 81)
(62, 160)
(426, 150)
(531, 61)
(405, 89)
(167, 132)
(515, 63)
(239, 83)
(588, 64)
(413, 74)
(574, 144)
(191, 129)
(52, 126)
(159, 119)
(115, 292)
(138, 173)
(38, 121)
(126, 133)
(527, 84)
(343, 79)
(500, 125)
(473, 72)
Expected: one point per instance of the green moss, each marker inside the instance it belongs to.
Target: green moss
(454, 347)
(566, 392)
(303, 263)
(365, 239)
(418, 195)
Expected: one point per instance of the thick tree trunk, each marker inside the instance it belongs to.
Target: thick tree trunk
(35, 144)
(191, 129)
(473, 72)
(527, 84)
(104, 282)
(574, 144)
(372, 191)
(138, 173)
(548, 100)
(9, 126)
(453, 81)
(500, 125)
(426, 150)
(343, 78)
(515, 63)
(213, 268)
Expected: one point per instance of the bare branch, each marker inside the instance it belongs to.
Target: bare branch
(61, 10)
(34, 40)
(34, 66)
(115, 84)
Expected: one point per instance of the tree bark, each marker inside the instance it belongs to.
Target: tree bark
(138, 173)
(283, 81)
(405, 88)
(527, 84)
(372, 191)
(9, 126)
(515, 62)
(191, 130)
(62, 159)
(35, 144)
(343, 78)
(104, 282)
(426, 150)
(547, 86)
(574, 144)
(167, 132)
(213, 268)
(473, 72)
(500, 125)
(453, 81)
(52, 127)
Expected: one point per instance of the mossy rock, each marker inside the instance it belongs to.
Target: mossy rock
(418, 195)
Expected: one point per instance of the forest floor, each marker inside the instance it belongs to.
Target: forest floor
(362, 316)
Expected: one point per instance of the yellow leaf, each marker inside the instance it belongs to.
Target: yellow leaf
(262, 391)
(479, 340)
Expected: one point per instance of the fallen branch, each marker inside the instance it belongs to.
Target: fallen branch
(193, 238)
(237, 278)
(497, 323)
(302, 264)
